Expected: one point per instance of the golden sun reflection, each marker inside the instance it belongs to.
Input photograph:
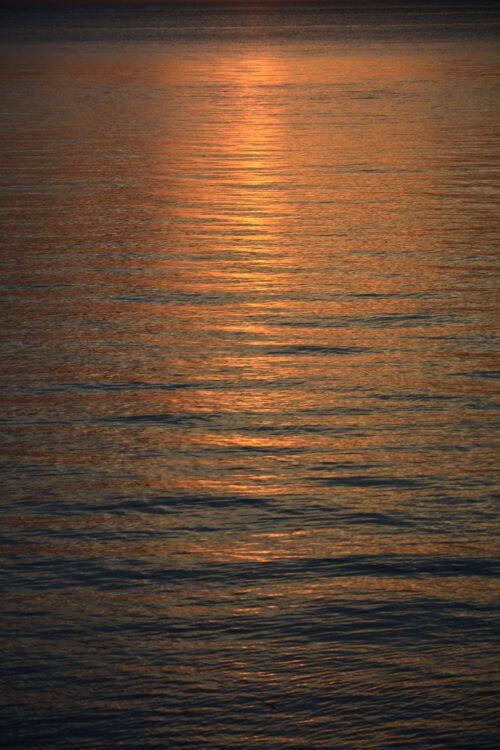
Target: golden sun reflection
(246, 191)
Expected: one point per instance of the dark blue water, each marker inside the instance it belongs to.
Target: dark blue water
(249, 366)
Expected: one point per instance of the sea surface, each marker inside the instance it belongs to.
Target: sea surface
(249, 367)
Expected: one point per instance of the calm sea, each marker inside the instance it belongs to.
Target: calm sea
(250, 379)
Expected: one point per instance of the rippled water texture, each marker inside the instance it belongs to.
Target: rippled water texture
(248, 281)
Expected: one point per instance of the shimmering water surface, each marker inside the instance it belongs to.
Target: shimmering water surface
(248, 289)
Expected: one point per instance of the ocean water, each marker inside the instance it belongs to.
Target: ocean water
(249, 366)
